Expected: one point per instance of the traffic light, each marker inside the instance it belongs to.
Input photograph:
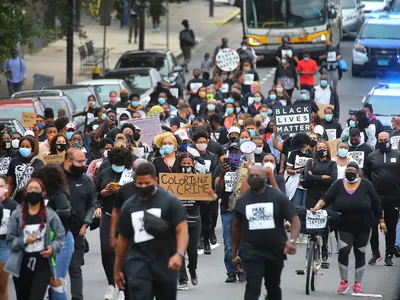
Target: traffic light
(105, 12)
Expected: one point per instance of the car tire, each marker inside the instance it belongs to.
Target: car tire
(354, 71)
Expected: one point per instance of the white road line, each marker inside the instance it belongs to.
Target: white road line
(265, 79)
(367, 295)
(269, 75)
(201, 252)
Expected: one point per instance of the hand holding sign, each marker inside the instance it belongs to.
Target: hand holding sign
(227, 59)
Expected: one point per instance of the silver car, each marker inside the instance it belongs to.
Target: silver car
(105, 86)
(352, 17)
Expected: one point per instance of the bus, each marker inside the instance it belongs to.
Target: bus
(308, 23)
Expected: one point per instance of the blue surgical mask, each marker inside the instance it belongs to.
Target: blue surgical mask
(324, 83)
(243, 140)
(229, 100)
(269, 111)
(306, 58)
(252, 132)
(40, 125)
(264, 114)
(183, 147)
(161, 101)
(121, 123)
(167, 149)
(272, 96)
(328, 117)
(117, 169)
(229, 110)
(93, 103)
(283, 61)
(69, 135)
(257, 99)
(191, 117)
(343, 152)
(171, 79)
(303, 96)
(235, 159)
(352, 124)
(211, 107)
(135, 103)
(238, 110)
(103, 116)
(25, 152)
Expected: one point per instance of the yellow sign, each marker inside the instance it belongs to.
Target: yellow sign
(53, 159)
(28, 119)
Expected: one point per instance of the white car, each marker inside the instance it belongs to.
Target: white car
(230, 2)
(374, 5)
(352, 17)
(105, 86)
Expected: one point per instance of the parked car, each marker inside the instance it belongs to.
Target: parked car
(162, 60)
(13, 125)
(104, 86)
(352, 17)
(13, 108)
(142, 81)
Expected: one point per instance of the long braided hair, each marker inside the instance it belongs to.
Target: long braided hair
(42, 210)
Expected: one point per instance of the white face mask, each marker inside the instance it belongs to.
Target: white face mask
(201, 147)
(258, 150)
(244, 48)
(269, 165)
(105, 153)
(15, 143)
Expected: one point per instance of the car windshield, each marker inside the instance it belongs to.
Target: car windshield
(104, 90)
(79, 97)
(285, 13)
(145, 60)
(383, 105)
(381, 31)
(346, 4)
(396, 6)
(136, 81)
(14, 111)
(55, 104)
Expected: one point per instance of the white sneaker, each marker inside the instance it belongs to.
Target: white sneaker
(121, 295)
(110, 293)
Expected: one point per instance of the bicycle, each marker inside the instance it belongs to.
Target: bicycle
(315, 226)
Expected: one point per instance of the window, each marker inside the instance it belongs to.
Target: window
(79, 97)
(346, 4)
(383, 105)
(104, 90)
(145, 60)
(55, 104)
(381, 31)
(14, 111)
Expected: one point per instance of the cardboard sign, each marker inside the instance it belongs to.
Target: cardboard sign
(28, 119)
(187, 186)
(333, 147)
(149, 128)
(292, 119)
(227, 59)
(53, 159)
(321, 109)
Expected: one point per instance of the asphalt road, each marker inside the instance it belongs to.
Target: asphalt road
(378, 279)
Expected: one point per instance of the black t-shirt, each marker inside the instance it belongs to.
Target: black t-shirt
(149, 256)
(215, 148)
(194, 85)
(263, 216)
(298, 159)
(5, 159)
(125, 192)
(178, 121)
(220, 136)
(42, 137)
(249, 78)
(161, 166)
(8, 207)
(228, 186)
(113, 133)
(121, 104)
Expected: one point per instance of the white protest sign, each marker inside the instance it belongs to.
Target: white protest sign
(357, 156)
(248, 79)
(194, 86)
(317, 220)
(227, 59)
(331, 133)
(394, 140)
(230, 181)
(300, 161)
(139, 152)
(292, 119)
(149, 128)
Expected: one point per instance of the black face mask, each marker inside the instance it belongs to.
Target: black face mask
(351, 176)
(61, 147)
(232, 139)
(6, 145)
(355, 143)
(270, 129)
(124, 98)
(187, 169)
(77, 171)
(136, 136)
(34, 198)
(258, 123)
(384, 146)
(313, 143)
(256, 183)
(322, 153)
(146, 191)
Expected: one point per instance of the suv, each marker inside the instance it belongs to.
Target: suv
(385, 100)
(13, 108)
(163, 61)
(377, 47)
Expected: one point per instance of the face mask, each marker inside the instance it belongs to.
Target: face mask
(269, 165)
(230, 100)
(258, 123)
(69, 135)
(258, 150)
(3, 191)
(243, 140)
(202, 94)
(124, 98)
(113, 100)
(252, 132)
(15, 143)
(235, 159)
(6, 145)
(136, 136)
(186, 169)
(351, 177)
(257, 99)
(103, 117)
(171, 79)
(40, 125)
(284, 61)
(324, 83)
(34, 198)
(313, 143)
(121, 123)
(135, 103)
(211, 107)
(279, 90)
(306, 58)
(117, 169)
(272, 97)
(232, 138)
(264, 114)
(201, 147)
(303, 96)
(328, 117)
(161, 101)
(51, 136)
(384, 146)
(92, 103)
(241, 122)
(183, 147)
(355, 143)
(105, 153)
(61, 147)
(25, 152)
(167, 149)
(243, 48)
(238, 110)
(77, 171)
(322, 153)
(269, 112)
(229, 110)
(256, 183)
(210, 96)
(146, 191)
(342, 152)
(77, 144)
(253, 90)
(352, 124)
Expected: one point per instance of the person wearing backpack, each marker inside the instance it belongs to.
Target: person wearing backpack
(187, 41)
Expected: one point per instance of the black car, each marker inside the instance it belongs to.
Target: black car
(163, 61)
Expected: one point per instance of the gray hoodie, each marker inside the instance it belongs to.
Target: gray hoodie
(15, 239)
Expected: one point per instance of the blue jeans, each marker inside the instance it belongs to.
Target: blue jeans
(227, 222)
(299, 198)
(397, 243)
(63, 260)
(14, 87)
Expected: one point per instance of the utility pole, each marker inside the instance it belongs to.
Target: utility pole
(105, 20)
(211, 8)
(142, 8)
(167, 24)
(70, 41)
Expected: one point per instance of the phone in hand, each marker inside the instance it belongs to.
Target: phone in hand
(114, 184)
(226, 161)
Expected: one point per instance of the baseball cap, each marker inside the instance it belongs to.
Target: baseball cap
(235, 146)
(70, 126)
(123, 91)
(319, 130)
(234, 129)
(29, 132)
(182, 134)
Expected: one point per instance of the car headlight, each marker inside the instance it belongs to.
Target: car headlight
(318, 39)
(360, 48)
(254, 42)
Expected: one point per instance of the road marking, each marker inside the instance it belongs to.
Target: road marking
(265, 79)
(201, 252)
(367, 295)
(269, 75)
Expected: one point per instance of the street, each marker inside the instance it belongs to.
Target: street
(378, 279)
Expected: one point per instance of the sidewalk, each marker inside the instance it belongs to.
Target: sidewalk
(52, 59)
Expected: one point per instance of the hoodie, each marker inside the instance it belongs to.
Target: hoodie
(360, 153)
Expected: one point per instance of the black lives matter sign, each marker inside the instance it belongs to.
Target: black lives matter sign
(292, 119)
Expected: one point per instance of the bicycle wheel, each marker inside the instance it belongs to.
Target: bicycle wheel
(317, 260)
(310, 265)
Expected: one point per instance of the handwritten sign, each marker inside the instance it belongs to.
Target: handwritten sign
(227, 59)
(321, 109)
(292, 119)
(333, 147)
(149, 128)
(187, 186)
(317, 220)
(28, 119)
(49, 159)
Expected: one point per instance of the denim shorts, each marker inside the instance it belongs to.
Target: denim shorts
(4, 251)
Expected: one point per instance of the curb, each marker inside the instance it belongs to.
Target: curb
(229, 18)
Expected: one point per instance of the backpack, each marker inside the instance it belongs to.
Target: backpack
(186, 37)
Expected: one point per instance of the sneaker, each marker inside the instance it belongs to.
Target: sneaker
(121, 295)
(397, 252)
(375, 258)
(207, 248)
(324, 253)
(158, 29)
(231, 278)
(343, 287)
(357, 288)
(241, 277)
(213, 238)
(183, 286)
(388, 260)
(110, 293)
(193, 277)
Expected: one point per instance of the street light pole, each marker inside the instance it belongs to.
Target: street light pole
(167, 24)
(70, 41)
(142, 7)
(211, 8)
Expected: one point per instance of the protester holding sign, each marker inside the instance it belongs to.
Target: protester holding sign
(358, 150)
(395, 134)
(332, 127)
(360, 121)
(6, 153)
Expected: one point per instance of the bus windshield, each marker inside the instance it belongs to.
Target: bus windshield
(285, 13)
